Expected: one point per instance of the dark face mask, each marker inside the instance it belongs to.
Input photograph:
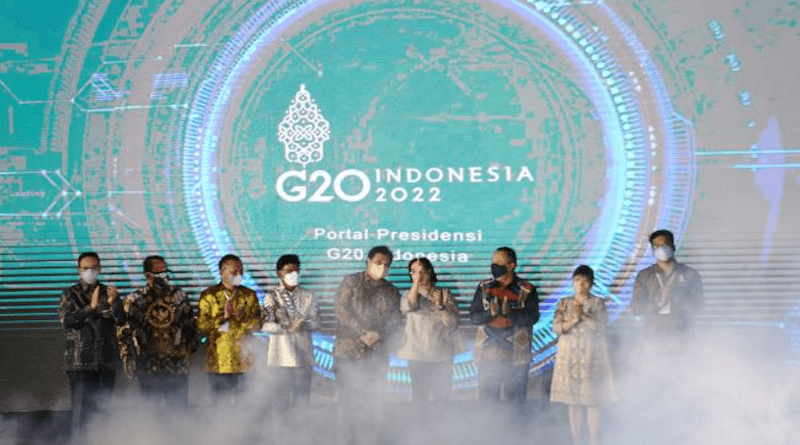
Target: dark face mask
(161, 281)
(498, 270)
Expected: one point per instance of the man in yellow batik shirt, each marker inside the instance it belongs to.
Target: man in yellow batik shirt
(228, 311)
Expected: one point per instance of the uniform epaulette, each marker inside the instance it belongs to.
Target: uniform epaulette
(483, 284)
(525, 286)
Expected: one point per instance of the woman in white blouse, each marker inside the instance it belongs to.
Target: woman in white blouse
(431, 320)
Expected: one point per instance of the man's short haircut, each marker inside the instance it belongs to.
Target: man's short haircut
(88, 255)
(289, 258)
(509, 253)
(229, 257)
(584, 271)
(382, 250)
(666, 233)
(147, 265)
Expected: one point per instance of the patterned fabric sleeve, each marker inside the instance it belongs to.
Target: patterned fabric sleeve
(134, 309)
(189, 326)
(129, 335)
(599, 314)
(208, 321)
(479, 313)
(393, 316)
(268, 313)
(559, 317)
(185, 322)
(247, 316)
(117, 312)
(70, 315)
(529, 315)
(135, 312)
(345, 314)
(310, 312)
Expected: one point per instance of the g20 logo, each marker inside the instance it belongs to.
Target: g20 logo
(303, 133)
(303, 183)
(320, 183)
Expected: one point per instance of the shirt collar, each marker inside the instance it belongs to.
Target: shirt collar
(282, 288)
(169, 290)
(84, 287)
(514, 286)
(660, 271)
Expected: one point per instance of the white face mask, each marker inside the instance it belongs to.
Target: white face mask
(291, 279)
(236, 280)
(89, 276)
(378, 271)
(663, 253)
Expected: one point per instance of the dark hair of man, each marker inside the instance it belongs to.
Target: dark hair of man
(584, 271)
(666, 233)
(289, 258)
(147, 265)
(382, 250)
(229, 257)
(426, 265)
(88, 255)
(509, 253)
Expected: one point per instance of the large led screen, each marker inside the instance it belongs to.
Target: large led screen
(566, 130)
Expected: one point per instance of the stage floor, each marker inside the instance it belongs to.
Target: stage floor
(455, 422)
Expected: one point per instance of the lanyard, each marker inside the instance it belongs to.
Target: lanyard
(664, 307)
(669, 282)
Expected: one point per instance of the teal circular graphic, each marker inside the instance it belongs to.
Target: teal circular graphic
(498, 120)
(440, 128)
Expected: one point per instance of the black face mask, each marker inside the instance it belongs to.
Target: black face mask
(160, 282)
(498, 270)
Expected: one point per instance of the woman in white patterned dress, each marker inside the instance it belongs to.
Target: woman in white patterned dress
(582, 377)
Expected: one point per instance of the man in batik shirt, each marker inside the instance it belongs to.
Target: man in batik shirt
(368, 320)
(228, 311)
(90, 312)
(504, 308)
(290, 314)
(159, 337)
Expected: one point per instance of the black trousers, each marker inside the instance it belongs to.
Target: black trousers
(169, 389)
(90, 390)
(225, 386)
(359, 393)
(496, 377)
(292, 385)
(430, 380)
(290, 403)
